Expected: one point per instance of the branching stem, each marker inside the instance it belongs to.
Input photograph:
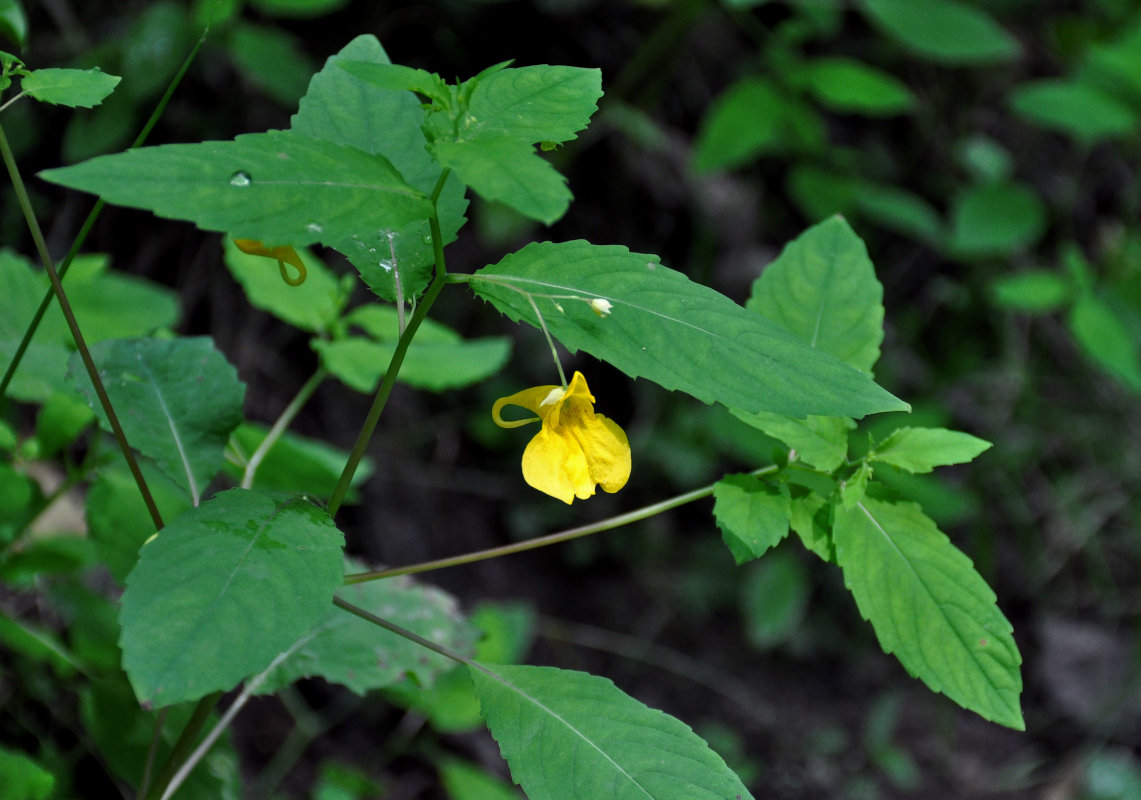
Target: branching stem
(279, 427)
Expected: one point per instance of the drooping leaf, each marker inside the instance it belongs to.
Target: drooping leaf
(996, 219)
(343, 648)
(923, 449)
(845, 84)
(361, 362)
(676, 333)
(930, 607)
(540, 103)
(820, 442)
(78, 88)
(752, 515)
(823, 289)
(278, 187)
(568, 735)
(1084, 112)
(947, 31)
(510, 171)
(1032, 290)
(341, 107)
(312, 306)
(184, 400)
(1105, 337)
(222, 590)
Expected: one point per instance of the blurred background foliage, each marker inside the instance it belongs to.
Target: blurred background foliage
(988, 152)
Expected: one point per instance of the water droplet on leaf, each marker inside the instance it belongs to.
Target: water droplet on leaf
(241, 178)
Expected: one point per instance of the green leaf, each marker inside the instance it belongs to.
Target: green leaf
(222, 590)
(930, 607)
(946, 31)
(845, 84)
(342, 108)
(13, 23)
(394, 76)
(897, 210)
(297, 464)
(273, 60)
(774, 598)
(568, 735)
(184, 400)
(852, 490)
(749, 119)
(78, 88)
(59, 422)
(1032, 290)
(343, 648)
(435, 366)
(923, 449)
(278, 187)
(1081, 111)
(823, 289)
(312, 306)
(298, 8)
(996, 219)
(466, 781)
(118, 522)
(679, 334)
(752, 515)
(22, 778)
(533, 104)
(510, 171)
(810, 521)
(1105, 338)
(820, 442)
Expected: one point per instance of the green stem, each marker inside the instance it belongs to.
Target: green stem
(407, 634)
(88, 223)
(73, 326)
(283, 422)
(183, 746)
(389, 379)
(546, 541)
(152, 752)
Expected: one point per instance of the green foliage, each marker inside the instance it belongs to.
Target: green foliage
(947, 31)
(923, 449)
(13, 23)
(185, 398)
(69, 87)
(255, 570)
(22, 778)
(1082, 111)
(847, 85)
(929, 607)
(570, 735)
(996, 220)
(753, 515)
(677, 333)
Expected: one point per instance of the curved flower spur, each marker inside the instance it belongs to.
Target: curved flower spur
(576, 448)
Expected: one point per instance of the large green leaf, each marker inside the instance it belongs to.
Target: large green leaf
(1084, 112)
(1106, 338)
(820, 442)
(948, 31)
(677, 333)
(572, 736)
(533, 104)
(222, 590)
(929, 606)
(996, 219)
(343, 108)
(279, 187)
(177, 400)
(84, 88)
(845, 84)
(345, 649)
(510, 171)
(823, 288)
(752, 515)
(752, 117)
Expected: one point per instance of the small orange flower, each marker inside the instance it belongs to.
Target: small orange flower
(282, 255)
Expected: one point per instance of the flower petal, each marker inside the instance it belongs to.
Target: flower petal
(555, 464)
(607, 451)
(530, 399)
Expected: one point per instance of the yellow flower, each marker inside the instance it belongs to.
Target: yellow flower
(282, 255)
(576, 448)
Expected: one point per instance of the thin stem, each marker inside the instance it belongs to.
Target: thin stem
(73, 326)
(407, 634)
(545, 541)
(13, 100)
(279, 427)
(389, 379)
(88, 223)
(152, 752)
(550, 341)
(396, 283)
(185, 742)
